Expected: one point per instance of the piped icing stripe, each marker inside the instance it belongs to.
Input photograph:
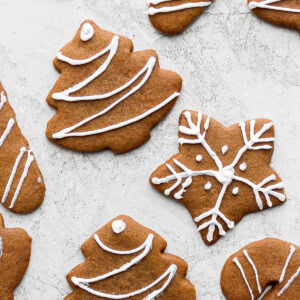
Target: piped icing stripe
(266, 5)
(83, 283)
(292, 251)
(2, 100)
(153, 11)
(236, 261)
(289, 283)
(254, 269)
(29, 160)
(7, 131)
(111, 49)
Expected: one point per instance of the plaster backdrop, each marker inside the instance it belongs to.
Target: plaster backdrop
(235, 67)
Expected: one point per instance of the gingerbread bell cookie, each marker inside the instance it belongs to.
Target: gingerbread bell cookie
(108, 96)
(279, 12)
(173, 16)
(15, 249)
(125, 260)
(267, 269)
(22, 187)
(221, 173)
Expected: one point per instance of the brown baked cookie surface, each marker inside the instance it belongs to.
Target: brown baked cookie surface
(125, 260)
(284, 13)
(267, 269)
(107, 95)
(15, 249)
(173, 16)
(22, 187)
(221, 173)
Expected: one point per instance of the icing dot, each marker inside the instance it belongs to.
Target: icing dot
(118, 226)
(243, 166)
(199, 157)
(224, 149)
(235, 191)
(87, 32)
(39, 180)
(208, 186)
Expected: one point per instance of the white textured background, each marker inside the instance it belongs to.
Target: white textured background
(235, 67)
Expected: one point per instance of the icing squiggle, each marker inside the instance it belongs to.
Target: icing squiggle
(30, 159)
(153, 11)
(266, 4)
(112, 48)
(2, 100)
(7, 131)
(146, 247)
(224, 175)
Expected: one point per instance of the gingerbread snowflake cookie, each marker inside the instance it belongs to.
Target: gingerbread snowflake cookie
(125, 260)
(221, 173)
(107, 95)
(173, 16)
(15, 249)
(267, 269)
(279, 12)
(22, 187)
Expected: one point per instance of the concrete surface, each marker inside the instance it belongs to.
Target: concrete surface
(235, 67)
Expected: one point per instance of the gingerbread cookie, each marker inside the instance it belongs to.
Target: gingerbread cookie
(22, 186)
(173, 16)
(267, 269)
(279, 12)
(125, 260)
(221, 173)
(15, 249)
(108, 96)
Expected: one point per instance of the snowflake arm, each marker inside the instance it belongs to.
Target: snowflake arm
(266, 191)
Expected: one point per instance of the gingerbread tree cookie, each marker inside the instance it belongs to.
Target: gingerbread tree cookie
(173, 16)
(220, 174)
(15, 249)
(108, 96)
(267, 269)
(22, 187)
(125, 260)
(279, 12)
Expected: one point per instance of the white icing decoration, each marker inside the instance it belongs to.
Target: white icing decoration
(292, 251)
(29, 160)
(235, 191)
(39, 180)
(1, 247)
(236, 261)
(3, 100)
(269, 287)
(118, 226)
(65, 95)
(225, 174)
(243, 166)
(254, 269)
(208, 186)
(289, 283)
(87, 32)
(8, 129)
(146, 247)
(199, 158)
(224, 149)
(266, 5)
(153, 11)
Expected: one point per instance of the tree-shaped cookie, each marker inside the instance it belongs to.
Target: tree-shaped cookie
(22, 187)
(15, 249)
(221, 173)
(267, 269)
(279, 12)
(125, 260)
(173, 16)
(108, 96)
